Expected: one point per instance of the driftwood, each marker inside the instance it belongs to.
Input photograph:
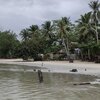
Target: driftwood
(40, 76)
(85, 83)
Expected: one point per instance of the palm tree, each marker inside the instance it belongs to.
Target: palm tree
(24, 34)
(24, 44)
(86, 33)
(47, 29)
(84, 27)
(63, 30)
(95, 16)
(33, 30)
(48, 35)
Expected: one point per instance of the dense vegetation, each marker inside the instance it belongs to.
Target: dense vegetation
(54, 36)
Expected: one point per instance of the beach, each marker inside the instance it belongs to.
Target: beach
(87, 68)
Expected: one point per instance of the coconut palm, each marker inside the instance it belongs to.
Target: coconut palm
(24, 34)
(84, 27)
(86, 32)
(33, 30)
(95, 16)
(47, 29)
(24, 44)
(63, 30)
(48, 35)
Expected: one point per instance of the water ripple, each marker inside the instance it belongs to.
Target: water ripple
(18, 85)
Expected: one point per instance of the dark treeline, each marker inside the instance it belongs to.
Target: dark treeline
(56, 36)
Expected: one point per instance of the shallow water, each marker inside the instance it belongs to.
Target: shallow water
(21, 83)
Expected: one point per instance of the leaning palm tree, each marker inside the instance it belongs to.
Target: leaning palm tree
(63, 30)
(86, 32)
(84, 27)
(95, 16)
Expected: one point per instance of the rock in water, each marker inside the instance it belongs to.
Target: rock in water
(74, 70)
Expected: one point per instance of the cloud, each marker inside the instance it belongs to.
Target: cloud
(19, 14)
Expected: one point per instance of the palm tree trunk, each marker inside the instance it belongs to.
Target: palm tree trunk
(81, 55)
(97, 38)
(89, 54)
(96, 27)
(66, 47)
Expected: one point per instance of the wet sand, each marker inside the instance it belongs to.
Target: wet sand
(88, 68)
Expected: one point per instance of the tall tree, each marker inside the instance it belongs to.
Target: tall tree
(63, 30)
(24, 34)
(86, 32)
(47, 29)
(95, 16)
(25, 44)
(8, 43)
(85, 28)
(48, 35)
(33, 30)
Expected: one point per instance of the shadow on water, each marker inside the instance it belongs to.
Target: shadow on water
(24, 85)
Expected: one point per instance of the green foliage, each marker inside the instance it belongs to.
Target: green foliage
(56, 35)
(8, 44)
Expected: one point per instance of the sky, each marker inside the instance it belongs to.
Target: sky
(19, 14)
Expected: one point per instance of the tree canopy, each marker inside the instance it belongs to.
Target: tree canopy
(56, 35)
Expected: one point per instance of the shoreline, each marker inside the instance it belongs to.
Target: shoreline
(87, 68)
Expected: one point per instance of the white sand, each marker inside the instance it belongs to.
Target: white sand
(59, 66)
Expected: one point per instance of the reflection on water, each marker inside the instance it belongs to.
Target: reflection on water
(24, 85)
